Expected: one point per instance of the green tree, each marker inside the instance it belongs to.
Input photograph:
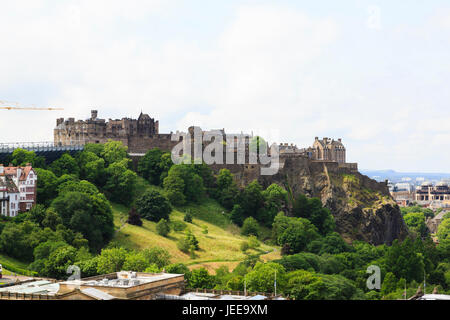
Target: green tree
(59, 261)
(66, 164)
(313, 210)
(389, 284)
(416, 222)
(91, 215)
(111, 260)
(443, 232)
(250, 227)
(200, 278)
(296, 233)
(114, 151)
(163, 227)
(158, 256)
(188, 217)
(251, 199)
(121, 182)
(182, 179)
(153, 206)
(136, 261)
(46, 186)
(227, 191)
(149, 166)
(237, 215)
(262, 277)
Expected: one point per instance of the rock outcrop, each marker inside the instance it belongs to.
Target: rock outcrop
(363, 208)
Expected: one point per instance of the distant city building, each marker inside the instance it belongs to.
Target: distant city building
(402, 193)
(17, 189)
(427, 192)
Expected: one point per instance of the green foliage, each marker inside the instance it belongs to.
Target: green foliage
(183, 184)
(21, 157)
(251, 199)
(65, 165)
(262, 277)
(92, 167)
(178, 225)
(250, 227)
(188, 243)
(389, 284)
(136, 261)
(153, 206)
(200, 278)
(188, 217)
(226, 190)
(111, 260)
(163, 227)
(404, 261)
(179, 268)
(91, 215)
(305, 285)
(46, 186)
(313, 210)
(443, 232)
(158, 256)
(95, 148)
(245, 246)
(296, 233)
(149, 166)
(114, 151)
(416, 222)
(275, 201)
(237, 215)
(121, 182)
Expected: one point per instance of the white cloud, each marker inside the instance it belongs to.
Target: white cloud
(270, 67)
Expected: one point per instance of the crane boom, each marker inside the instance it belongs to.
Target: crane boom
(29, 108)
(8, 105)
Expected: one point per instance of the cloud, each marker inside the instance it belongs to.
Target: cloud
(274, 68)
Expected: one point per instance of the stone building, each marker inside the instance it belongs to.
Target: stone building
(138, 134)
(328, 150)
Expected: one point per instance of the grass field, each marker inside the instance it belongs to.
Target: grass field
(220, 246)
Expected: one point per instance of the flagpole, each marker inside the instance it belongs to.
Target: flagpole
(275, 284)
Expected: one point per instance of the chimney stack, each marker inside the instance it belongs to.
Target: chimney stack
(94, 114)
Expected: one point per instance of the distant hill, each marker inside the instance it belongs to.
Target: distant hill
(395, 176)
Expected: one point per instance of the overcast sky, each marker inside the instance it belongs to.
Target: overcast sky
(374, 73)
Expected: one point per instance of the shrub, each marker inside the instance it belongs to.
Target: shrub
(134, 218)
(178, 225)
(188, 217)
(163, 228)
(153, 206)
(250, 227)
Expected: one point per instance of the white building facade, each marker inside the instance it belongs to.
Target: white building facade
(17, 189)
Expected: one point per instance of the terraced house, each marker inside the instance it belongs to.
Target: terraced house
(17, 189)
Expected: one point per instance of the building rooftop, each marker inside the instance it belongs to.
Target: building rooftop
(123, 279)
(33, 287)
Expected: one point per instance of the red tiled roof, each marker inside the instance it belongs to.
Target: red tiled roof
(12, 171)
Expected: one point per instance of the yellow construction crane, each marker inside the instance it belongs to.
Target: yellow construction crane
(15, 106)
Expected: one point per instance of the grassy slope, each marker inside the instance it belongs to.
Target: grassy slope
(5, 260)
(221, 246)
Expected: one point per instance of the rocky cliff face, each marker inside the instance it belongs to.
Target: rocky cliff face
(362, 207)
